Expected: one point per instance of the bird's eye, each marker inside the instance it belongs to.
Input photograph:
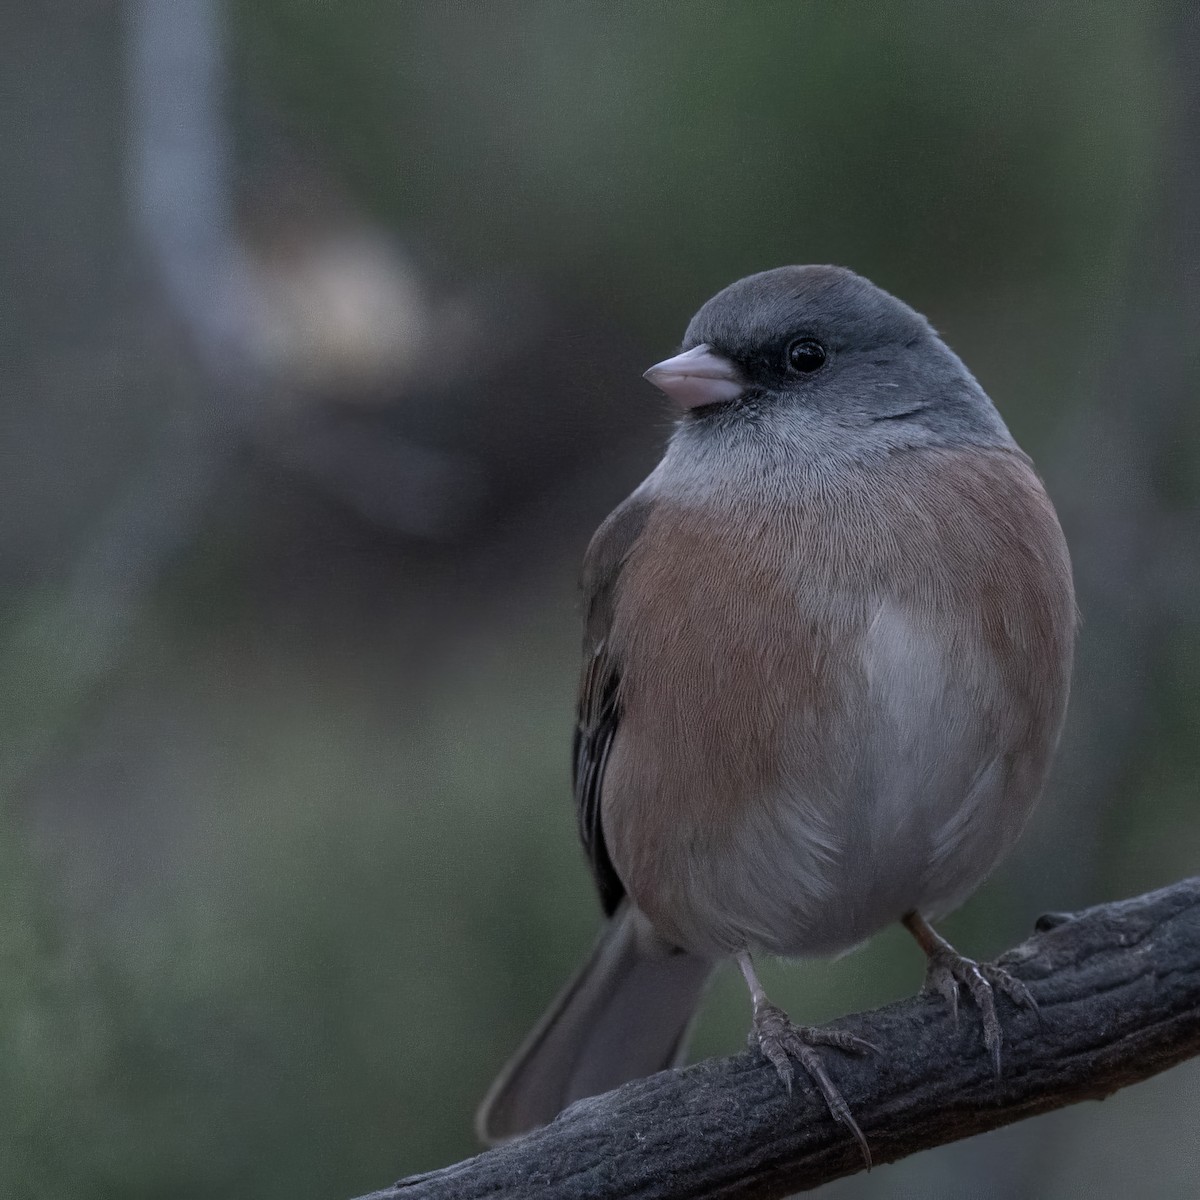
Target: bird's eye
(806, 356)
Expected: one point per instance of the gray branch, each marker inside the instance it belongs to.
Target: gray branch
(1119, 993)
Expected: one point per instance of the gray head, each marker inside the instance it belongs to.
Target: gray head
(822, 352)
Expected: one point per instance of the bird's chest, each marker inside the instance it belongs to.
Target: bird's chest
(821, 718)
(732, 633)
(741, 665)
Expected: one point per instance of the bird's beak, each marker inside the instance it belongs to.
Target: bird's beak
(697, 377)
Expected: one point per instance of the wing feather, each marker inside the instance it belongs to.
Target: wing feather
(599, 711)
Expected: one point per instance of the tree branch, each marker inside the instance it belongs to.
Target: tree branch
(1119, 990)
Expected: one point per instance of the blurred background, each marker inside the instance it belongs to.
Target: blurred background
(321, 329)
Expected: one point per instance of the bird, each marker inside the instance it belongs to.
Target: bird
(827, 655)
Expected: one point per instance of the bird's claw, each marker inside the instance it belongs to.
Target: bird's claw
(781, 1042)
(950, 971)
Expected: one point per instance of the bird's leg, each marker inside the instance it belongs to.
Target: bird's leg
(949, 971)
(780, 1041)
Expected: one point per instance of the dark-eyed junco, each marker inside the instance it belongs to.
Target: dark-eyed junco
(826, 661)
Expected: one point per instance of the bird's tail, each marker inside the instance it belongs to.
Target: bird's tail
(625, 1014)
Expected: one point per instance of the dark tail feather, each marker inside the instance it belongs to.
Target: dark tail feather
(625, 1014)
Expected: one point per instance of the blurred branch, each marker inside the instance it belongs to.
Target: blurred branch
(181, 208)
(181, 195)
(1119, 991)
(181, 169)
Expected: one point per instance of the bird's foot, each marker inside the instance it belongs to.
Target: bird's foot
(949, 972)
(780, 1042)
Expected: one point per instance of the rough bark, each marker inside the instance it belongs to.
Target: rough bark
(1119, 993)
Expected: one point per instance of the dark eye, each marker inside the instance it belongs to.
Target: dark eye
(806, 356)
